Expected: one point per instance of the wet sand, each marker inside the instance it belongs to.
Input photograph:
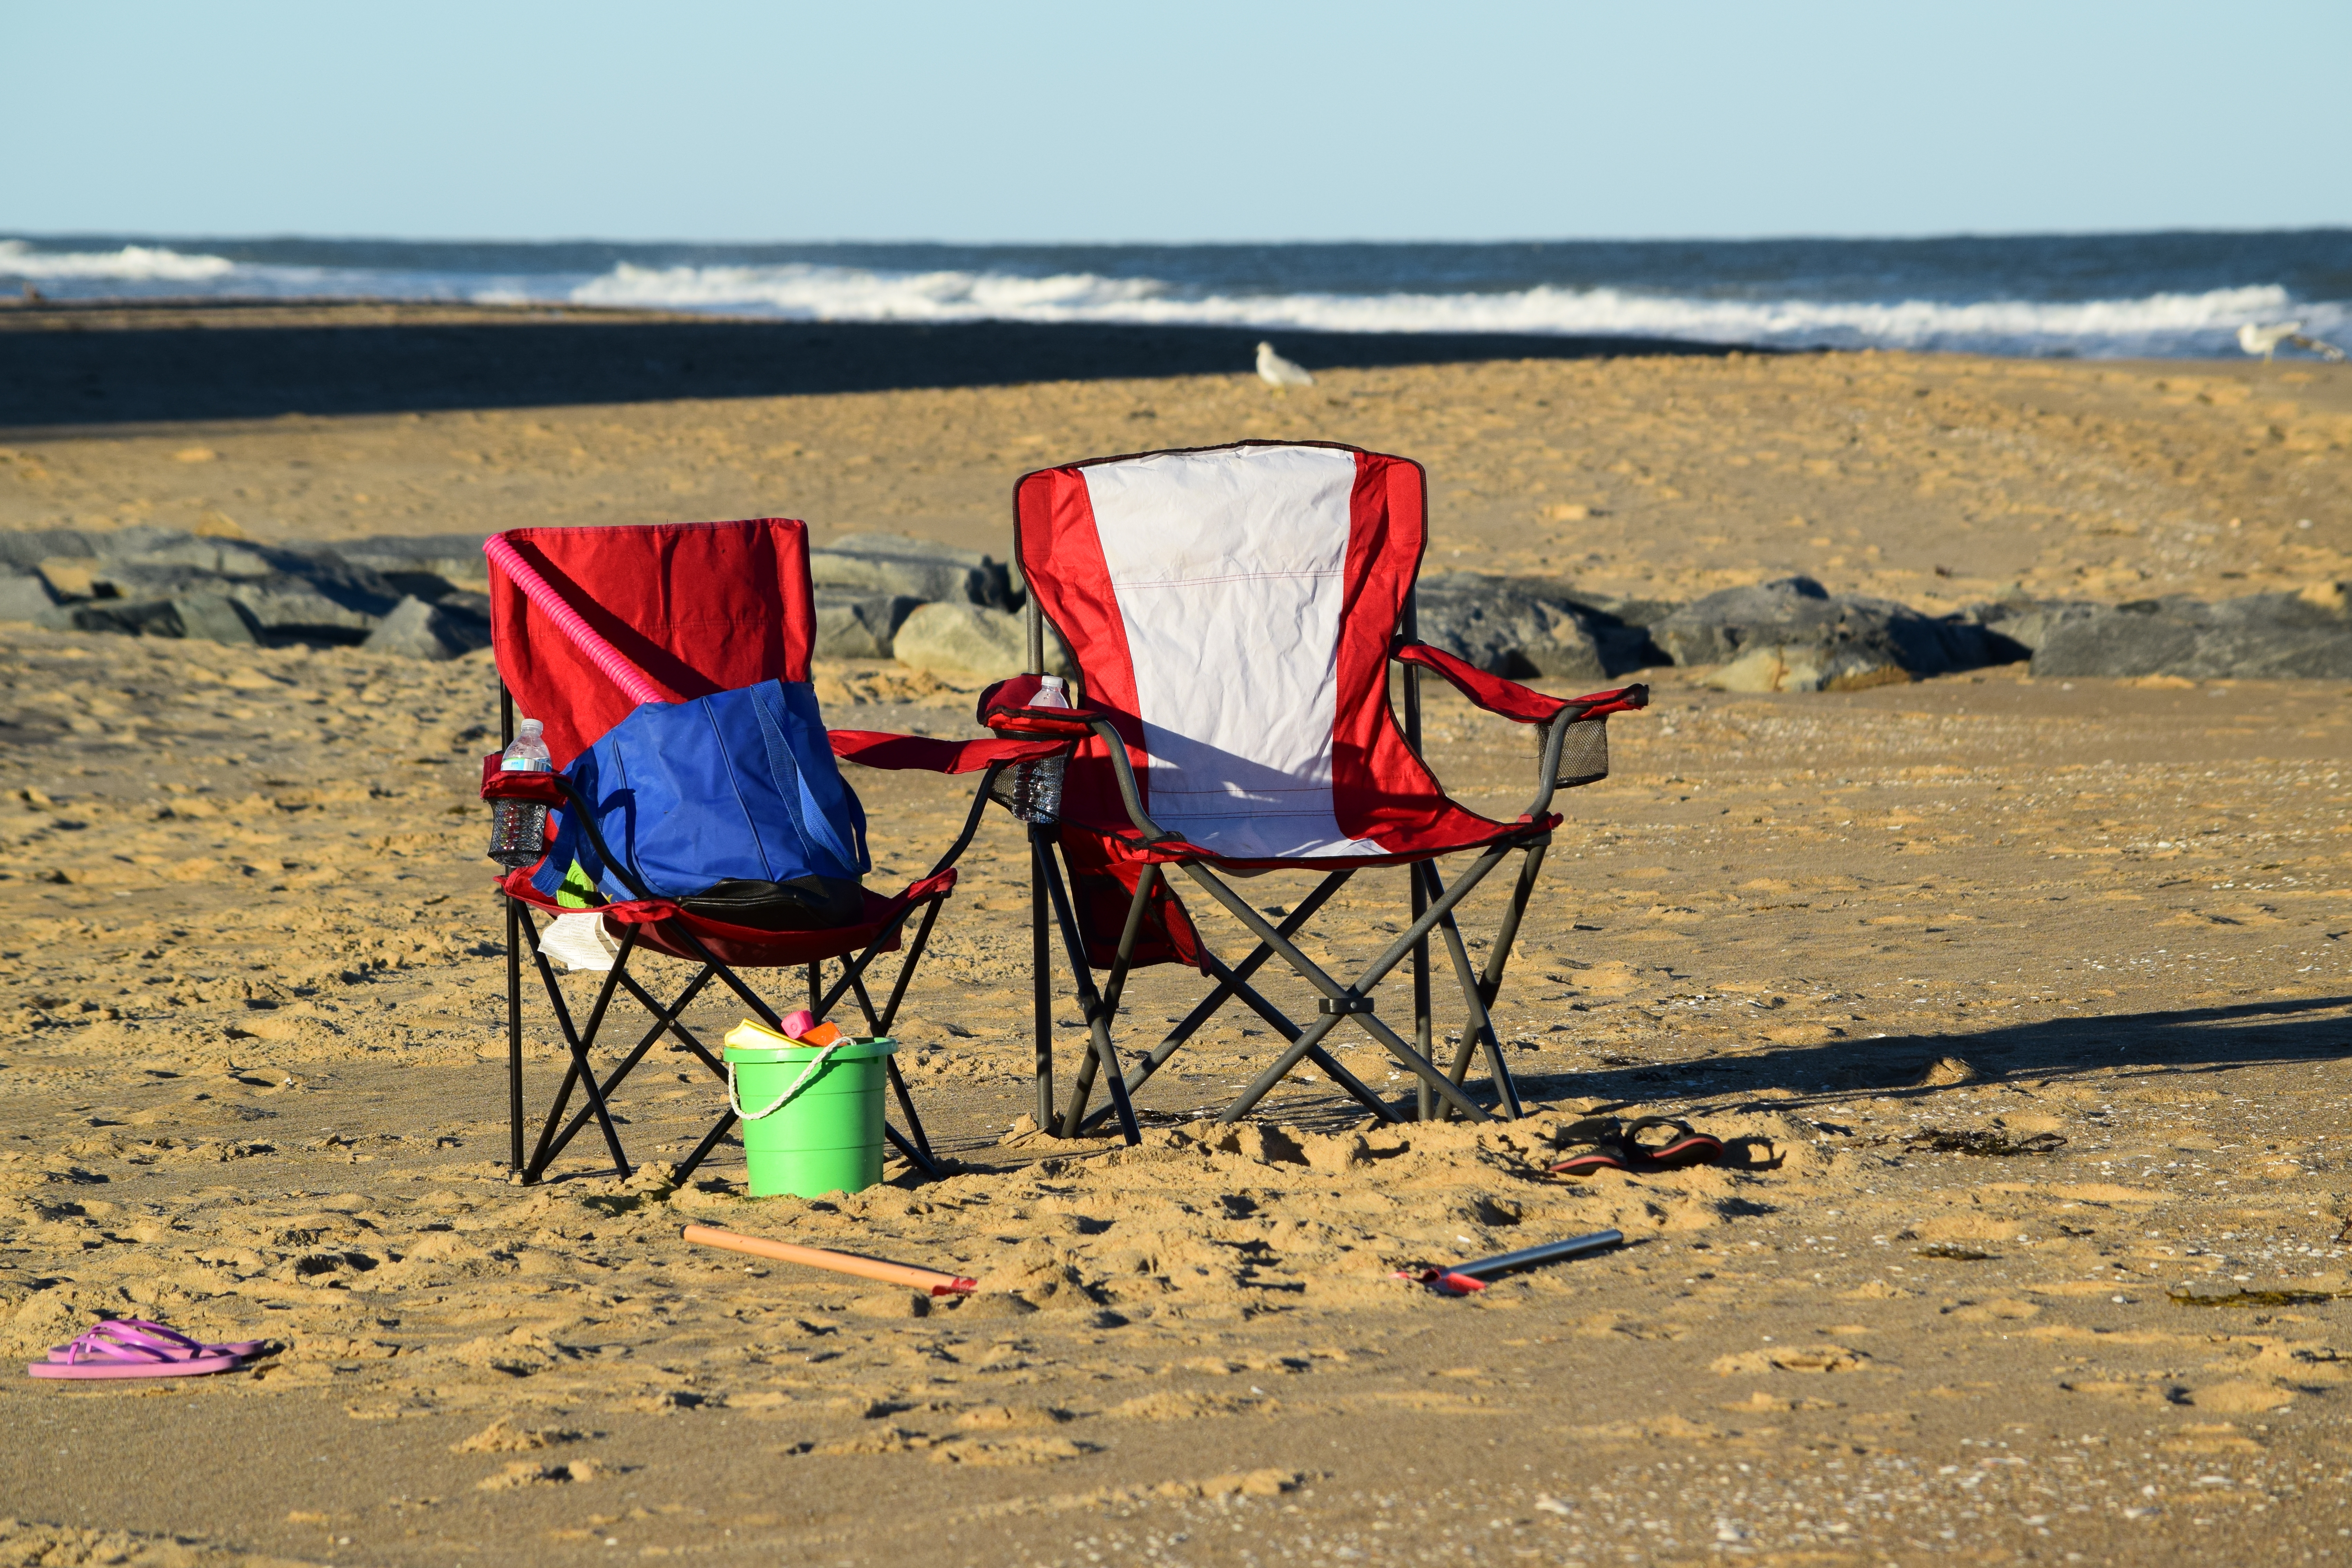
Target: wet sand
(256, 1066)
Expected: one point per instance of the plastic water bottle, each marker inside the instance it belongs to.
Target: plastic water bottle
(1037, 788)
(518, 828)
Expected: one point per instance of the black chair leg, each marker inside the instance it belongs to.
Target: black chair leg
(907, 1109)
(702, 1150)
(515, 917)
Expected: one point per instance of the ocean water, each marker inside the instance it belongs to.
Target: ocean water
(2160, 294)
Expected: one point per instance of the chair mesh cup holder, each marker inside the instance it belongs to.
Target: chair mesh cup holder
(1584, 753)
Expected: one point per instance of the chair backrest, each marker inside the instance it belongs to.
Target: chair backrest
(1240, 602)
(699, 606)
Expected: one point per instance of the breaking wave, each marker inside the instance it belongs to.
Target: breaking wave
(130, 264)
(2157, 323)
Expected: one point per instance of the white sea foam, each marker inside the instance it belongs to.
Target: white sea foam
(2156, 322)
(852, 294)
(132, 263)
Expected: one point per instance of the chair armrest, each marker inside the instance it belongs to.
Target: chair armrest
(1005, 708)
(876, 749)
(521, 784)
(1492, 692)
(1123, 770)
(1557, 715)
(1603, 704)
(925, 753)
(1512, 701)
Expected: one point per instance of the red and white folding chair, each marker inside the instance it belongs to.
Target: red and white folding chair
(1232, 612)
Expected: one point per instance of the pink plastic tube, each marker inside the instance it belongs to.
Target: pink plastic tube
(604, 655)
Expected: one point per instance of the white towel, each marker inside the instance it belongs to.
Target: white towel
(578, 942)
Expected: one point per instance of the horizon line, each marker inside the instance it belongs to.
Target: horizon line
(61, 236)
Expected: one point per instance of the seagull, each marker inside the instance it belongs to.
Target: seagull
(2264, 340)
(1277, 370)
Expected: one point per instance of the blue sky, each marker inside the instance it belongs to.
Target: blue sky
(1207, 121)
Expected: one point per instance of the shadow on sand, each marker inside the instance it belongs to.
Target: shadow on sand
(2193, 1040)
(66, 367)
(2197, 1041)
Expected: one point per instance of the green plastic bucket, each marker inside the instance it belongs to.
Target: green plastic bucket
(826, 1139)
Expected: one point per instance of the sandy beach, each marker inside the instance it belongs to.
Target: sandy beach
(254, 1066)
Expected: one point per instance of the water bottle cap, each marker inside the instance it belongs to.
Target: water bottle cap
(528, 727)
(1052, 683)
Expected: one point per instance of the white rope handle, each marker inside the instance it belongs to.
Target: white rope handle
(807, 1073)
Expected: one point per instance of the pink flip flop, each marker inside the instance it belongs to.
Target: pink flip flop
(133, 1347)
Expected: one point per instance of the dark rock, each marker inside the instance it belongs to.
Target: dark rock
(1527, 626)
(1507, 626)
(213, 617)
(2322, 606)
(129, 617)
(146, 579)
(1631, 611)
(2029, 623)
(298, 596)
(1793, 634)
(28, 547)
(317, 595)
(2256, 637)
(294, 609)
(290, 594)
(418, 629)
(23, 595)
(129, 543)
(877, 565)
(165, 582)
(972, 641)
(425, 565)
(197, 552)
(849, 627)
(159, 582)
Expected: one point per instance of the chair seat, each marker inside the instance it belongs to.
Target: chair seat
(1459, 830)
(748, 947)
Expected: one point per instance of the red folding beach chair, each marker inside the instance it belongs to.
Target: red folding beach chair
(1232, 612)
(589, 623)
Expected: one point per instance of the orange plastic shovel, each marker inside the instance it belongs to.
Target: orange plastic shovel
(929, 1280)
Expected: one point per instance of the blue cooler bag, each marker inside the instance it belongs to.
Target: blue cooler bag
(729, 806)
